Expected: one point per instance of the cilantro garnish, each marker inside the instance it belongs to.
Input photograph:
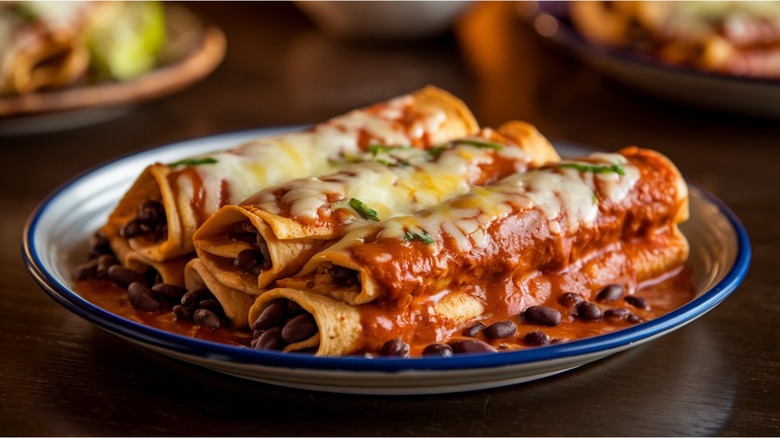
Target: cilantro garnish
(380, 148)
(363, 209)
(615, 168)
(480, 144)
(193, 162)
(420, 237)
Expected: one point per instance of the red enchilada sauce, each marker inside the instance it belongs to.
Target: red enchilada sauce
(663, 296)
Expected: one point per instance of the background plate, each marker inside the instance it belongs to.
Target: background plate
(711, 91)
(55, 241)
(196, 50)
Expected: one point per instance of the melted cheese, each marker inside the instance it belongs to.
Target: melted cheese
(394, 182)
(269, 161)
(566, 197)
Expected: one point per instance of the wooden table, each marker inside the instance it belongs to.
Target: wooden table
(60, 375)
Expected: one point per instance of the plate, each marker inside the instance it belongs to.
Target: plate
(55, 241)
(194, 48)
(714, 91)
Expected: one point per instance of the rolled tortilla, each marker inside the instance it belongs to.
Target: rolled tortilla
(234, 303)
(340, 329)
(578, 225)
(170, 271)
(283, 226)
(191, 190)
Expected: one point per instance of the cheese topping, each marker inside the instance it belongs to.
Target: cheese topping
(393, 181)
(268, 161)
(565, 196)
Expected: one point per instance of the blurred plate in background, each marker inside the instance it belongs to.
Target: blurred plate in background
(195, 49)
(713, 91)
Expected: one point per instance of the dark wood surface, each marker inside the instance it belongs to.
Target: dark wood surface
(60, 375)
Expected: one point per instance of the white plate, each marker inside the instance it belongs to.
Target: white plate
(56, 235)
(713, 91)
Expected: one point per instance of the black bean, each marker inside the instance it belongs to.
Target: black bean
(395, 347)
(132, 229)
(617, 313)
(613, 292)
(570, 299)
(300, 328)
(634, 319)
(150, 213)
(181, 313)
(152, 277)
(271, 316)
(98, 244)
(211, 304)
(262, 246)
(440, 350)
(169, 292)
(542, 315)
(206, 318)
(191, 299)
(536, 337)
(638, 302)
(473, 330)
(467, 346)
(344, 277)
(500, 330)
(142, 299)
(122, 277)
(249, 261)
(86, 270)
(588, 311)
(160, 232)
(105, 261)
(243, 231)
(270, 339)
(293, 308)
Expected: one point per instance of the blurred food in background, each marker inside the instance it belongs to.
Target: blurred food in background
(733, 37)
(54, 45)
(65, 64)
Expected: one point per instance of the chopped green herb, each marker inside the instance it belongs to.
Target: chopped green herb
(353, 158)
(480, 144)
(363, 209)
(193, 162)
(434, 153)
(385, 162)
(380, 148)
(594, 168)
(421, 237)
(399, 162)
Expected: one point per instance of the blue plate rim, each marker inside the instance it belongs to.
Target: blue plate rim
(204, 349)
